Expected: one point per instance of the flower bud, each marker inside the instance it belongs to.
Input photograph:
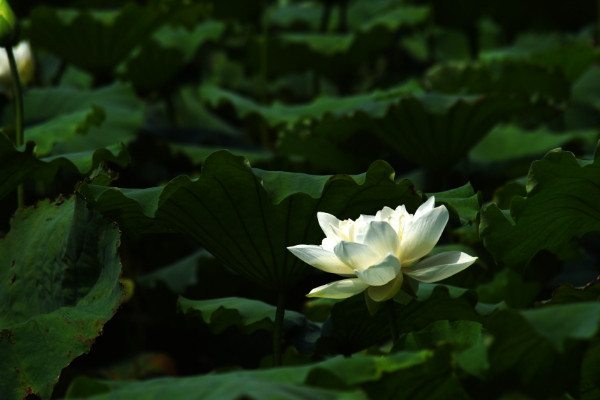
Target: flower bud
(25, 65)
(7, 24)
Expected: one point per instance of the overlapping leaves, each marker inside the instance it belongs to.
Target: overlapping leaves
(246, 217)
(561, 203)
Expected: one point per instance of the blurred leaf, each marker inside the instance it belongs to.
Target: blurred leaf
(498, 77)
(585, 89)
(368, 30)
(566, 293)
(352, 328)
(508, 286)
(589, 386)
(432, 380)
(375, 103)
(249, 315)
(557, 323)
(56, 294)
(209, 387)
(247, 218)
(465, 336)
(158, 61)
(199, 154)
(177, 276)
(509, 142)
(142, 366)
(561, 203)
(123, 112)
(538, 348)
(96, 41)
(435, 131)
(362, 16)
(19, 166)
(304, 14)
(304, 382)
(235, 10)
(391, 15)
(571, 54)
(431, 130)
(62, 128)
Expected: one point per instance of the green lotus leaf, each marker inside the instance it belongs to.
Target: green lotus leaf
(177, 276)
(510, 142)
(55, 294)
(430, 130)
(340, 376)
(69, 120)
(96, 41)
(542, 348)
(19, 166)
(570, 53)
(560, 204)
(463, 200)
(248, 314)
(375, 103)
(247, 218)
(498, 77)
(154, 65)
(465, 336)
(353, 328)
(566, 293)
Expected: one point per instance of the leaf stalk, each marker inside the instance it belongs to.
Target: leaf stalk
(278, 331)
(18, 97)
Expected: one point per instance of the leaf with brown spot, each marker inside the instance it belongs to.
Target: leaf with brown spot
(55, 295)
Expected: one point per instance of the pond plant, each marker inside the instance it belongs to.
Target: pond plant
(299, 199)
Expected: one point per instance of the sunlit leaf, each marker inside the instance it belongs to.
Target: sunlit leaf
(463, 200)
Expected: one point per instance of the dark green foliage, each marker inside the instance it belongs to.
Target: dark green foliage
(201, 139)
(55, 294)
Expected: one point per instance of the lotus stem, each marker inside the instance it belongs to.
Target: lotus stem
(18, 95)
(598, 21)
(394, 331)
(264, 54)
(278, 331)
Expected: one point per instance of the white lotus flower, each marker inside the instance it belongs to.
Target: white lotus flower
(378, 252)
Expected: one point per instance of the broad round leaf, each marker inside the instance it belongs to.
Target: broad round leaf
(56, 294)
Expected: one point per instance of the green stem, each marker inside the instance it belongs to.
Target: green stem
(18, 95)
(264, 55)
(598, 21)
(277, 333)
(391, 306)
